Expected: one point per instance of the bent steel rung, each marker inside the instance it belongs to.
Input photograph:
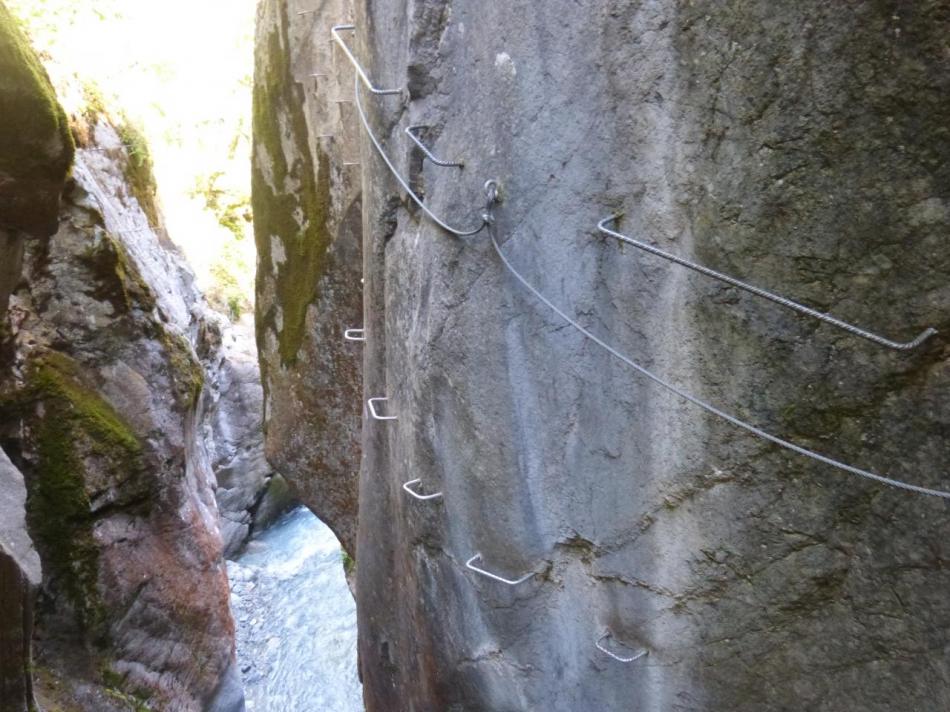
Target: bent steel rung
(491, 191)
(426, 151)
(510, 582)
(643, 653)
(335, 32)
(408, 487)
(759, 292)
(355, 334)
(374, 414)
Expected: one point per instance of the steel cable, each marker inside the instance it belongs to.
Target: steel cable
(759, 292)
(402, 181)
(703, 404)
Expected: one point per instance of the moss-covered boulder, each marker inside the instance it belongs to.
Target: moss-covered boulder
(36, 148)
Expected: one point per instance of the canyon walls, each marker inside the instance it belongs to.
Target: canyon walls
(36, 150)
(307, 223)
(801, 147)
(108, 422)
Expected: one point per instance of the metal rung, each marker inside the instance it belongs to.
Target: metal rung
(335, 32)
(426, 151)
(407, 486)
(510, 582)
(318, 74)
(491, 186)
(355, 334)
(759, 292)
(643, 653)
(374, 414)
(351, 163)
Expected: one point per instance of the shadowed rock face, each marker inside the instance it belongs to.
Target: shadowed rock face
(36, 148)
(307, 221)
(799, 146)
(35, 155)
(20, 575)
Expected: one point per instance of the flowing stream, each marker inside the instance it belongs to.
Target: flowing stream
(296, 620)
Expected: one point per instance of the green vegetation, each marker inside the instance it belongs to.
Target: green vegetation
(188, 375)
(139, 171)
(233, 210)
(293, 208)
(72, 427)
(349, 563)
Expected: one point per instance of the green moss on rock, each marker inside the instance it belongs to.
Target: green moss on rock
(36, 146)
(139, 169)
(293, 208)
(72, 429)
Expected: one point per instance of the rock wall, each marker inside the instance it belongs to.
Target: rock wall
(249, 494)
(20, 576)
(108, 413)
(307, 223)
(799, 146)
(36, 151)
(100, 414)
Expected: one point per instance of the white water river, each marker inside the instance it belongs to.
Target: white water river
(296, 620)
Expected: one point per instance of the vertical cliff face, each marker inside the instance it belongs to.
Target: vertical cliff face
(104, 411)
(101, 414)
(36, 151)
(800, 147)
(307, 222)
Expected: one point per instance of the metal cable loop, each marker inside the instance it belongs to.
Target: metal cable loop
(402, 181)
(758, 291)
(706, 406)
(426, 151)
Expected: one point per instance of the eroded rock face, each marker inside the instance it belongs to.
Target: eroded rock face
(250, 495)
(307, 221)
(102, 412)
(35, 155)
(800, 146)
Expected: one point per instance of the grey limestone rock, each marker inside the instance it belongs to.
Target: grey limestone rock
(800, 146)
(307, 223)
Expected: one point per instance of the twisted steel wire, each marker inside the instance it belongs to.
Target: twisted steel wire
(759, 292)
(426, 151)
(748, 427)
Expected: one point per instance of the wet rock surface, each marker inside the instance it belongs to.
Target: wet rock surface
(800, 147)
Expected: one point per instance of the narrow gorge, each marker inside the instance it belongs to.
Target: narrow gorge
(607, 338)
(799, 147)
